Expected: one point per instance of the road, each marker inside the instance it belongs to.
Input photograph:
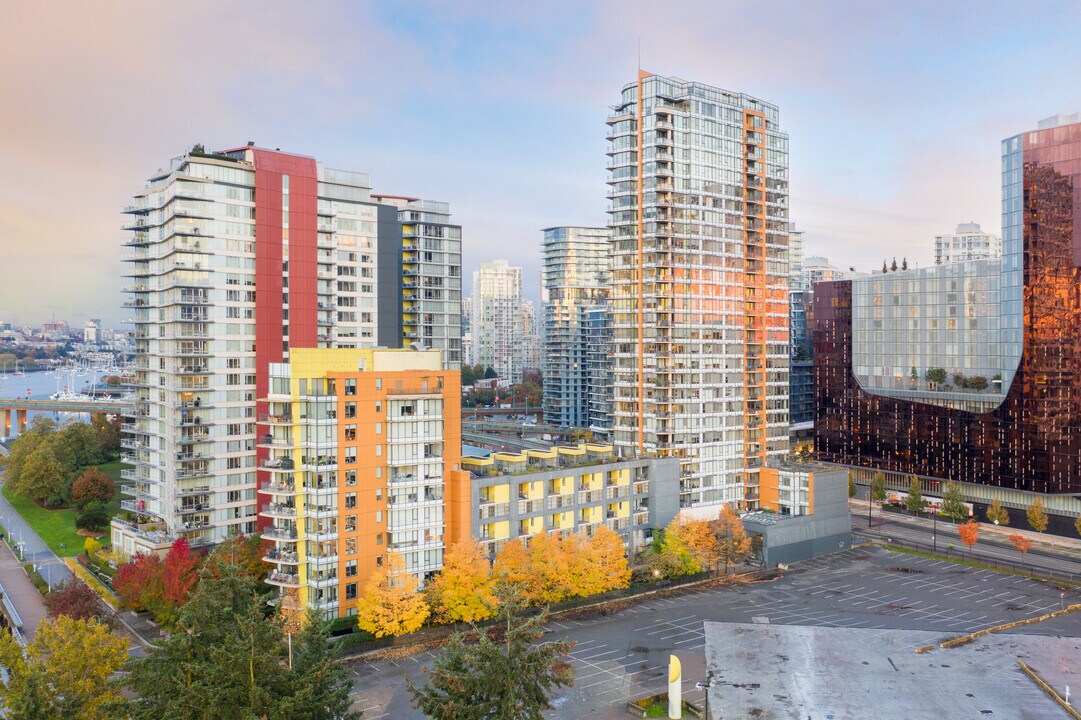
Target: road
(34, 548)
(1063, 562)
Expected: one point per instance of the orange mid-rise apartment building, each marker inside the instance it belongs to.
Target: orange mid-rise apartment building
(364, 452)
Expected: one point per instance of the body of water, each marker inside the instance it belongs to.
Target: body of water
(40, 385)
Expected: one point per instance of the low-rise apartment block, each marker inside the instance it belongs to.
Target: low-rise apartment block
(569, 489)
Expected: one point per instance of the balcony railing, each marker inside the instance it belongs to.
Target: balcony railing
(283, 579)
(277, 510)
(282, 556)
(276, 533)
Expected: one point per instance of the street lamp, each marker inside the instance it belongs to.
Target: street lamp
(934, 530)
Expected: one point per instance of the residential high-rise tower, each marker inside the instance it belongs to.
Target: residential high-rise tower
(698, 186)
(574, 280)
(237, 257)
(497, 318)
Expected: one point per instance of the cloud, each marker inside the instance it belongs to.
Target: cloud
(101, 94)
(895, 111)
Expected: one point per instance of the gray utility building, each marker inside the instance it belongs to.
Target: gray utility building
(803, 513)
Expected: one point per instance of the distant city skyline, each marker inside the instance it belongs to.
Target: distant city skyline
(499, 110)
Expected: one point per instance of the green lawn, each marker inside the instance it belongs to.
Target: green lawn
(57, 527)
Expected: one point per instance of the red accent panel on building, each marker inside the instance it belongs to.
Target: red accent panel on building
(270, 166)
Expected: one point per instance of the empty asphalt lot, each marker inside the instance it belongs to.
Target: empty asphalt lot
(624, 656)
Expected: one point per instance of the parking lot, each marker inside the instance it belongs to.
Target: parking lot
(624, 656)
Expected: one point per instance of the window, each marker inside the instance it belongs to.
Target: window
(379, 516)
(351, 591)
(350, 409)
(350, 386)
(379, 406)
(350, 501)
(351, 568)
(350, 546)
(379, 561)
(378, 494)
(379, 538)
(379, 383)
(351, 432)
(379, 428)
(350, 523)
(351, 477)
(350, 456)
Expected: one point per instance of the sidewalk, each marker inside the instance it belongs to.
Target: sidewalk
(34, 548)
(21, 592)
(1054, 543)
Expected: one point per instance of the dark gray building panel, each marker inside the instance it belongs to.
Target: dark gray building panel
(389, 285)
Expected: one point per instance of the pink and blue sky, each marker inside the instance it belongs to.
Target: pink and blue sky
(895, 112)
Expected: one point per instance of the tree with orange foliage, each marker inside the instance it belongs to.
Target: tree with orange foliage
(391, 604)
(549, 569)
(599, 563)
(463, 590)
(1022, 544)
(511, 566)
(693, 543)
(969, 532)
(733, 545)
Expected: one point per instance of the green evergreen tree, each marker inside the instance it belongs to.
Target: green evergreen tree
(226, 660)
(915, 502)
(893, 265)
(489, 680)
(320, 686)
(851, 487)
(953, 503)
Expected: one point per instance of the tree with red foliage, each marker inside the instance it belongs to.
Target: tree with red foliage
(138, 583)
(1022, 544)
(180, 573)
(969, 532)
(75, 599)
(243, 550)
(92, 485)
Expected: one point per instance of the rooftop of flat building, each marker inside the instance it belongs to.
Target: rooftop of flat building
(1059, 121)
(792, 464)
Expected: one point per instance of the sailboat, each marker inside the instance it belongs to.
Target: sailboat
(18, 372)
(3, 373)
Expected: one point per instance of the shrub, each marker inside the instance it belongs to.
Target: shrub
(36, 578)
(93, 516)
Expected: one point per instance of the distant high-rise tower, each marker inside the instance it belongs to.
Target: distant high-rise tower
(530, 338)
(574, 279)
(698, 184)
(497, 318)
(969, 242)
(801, 375)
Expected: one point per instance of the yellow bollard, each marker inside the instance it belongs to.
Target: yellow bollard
(675, 686)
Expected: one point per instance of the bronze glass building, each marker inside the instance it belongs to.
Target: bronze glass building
(1022, 429)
